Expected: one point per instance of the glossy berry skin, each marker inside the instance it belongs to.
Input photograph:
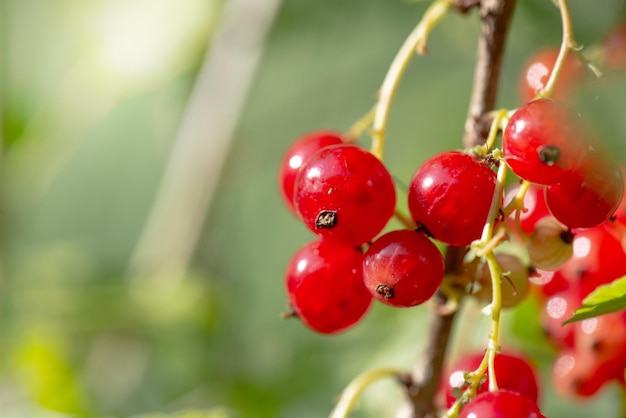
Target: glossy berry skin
(346, 194)
(450, 196)
(501, 404)
(513, 373)
(324, 282)
(588, 196)
(598, 258)
(538, 69)
(543, 141)
(296, 155)
(403, 268)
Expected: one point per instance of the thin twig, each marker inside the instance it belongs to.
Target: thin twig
(495, 18)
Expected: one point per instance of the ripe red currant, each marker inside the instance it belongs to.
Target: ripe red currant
(598, 258)
(403, 268)
(346, 194)
(297, 154)
(589, 195)
(513, 373)
(574, 376)
(450, 196)
(543, 141)
(324, 283)
(501, 404)
(537, 72)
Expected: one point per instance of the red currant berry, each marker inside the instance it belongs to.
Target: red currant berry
(501, 404)
(615, 49)
(588, 196)
(450, 195)
(598, 258)
(297, 154)
(346, 194)
(575, 376)
(603, 340)
(513, 373)
(324, 283)
(537, 72)
(403, 268)
(543, 140)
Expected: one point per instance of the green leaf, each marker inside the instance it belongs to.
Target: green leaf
(605, 299)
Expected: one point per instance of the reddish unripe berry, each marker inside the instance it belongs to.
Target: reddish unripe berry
(501, 404)
(543, 141)
(588, 196)
(513, 373)
(534, 207)
(537, 72)
(296, 155)
(450, 195)
(615, 49)
(346, 194)
(324, 283)
(598, 258)
(403, 268)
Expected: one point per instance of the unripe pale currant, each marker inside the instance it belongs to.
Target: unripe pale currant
(550, 244)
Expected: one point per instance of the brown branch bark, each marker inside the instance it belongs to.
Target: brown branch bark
(495, 18)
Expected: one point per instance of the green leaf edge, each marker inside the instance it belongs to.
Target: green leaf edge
(605, 299)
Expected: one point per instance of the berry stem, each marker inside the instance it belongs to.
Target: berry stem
(355, 388)
(500, 119)
(361, 125)
(568, 43)
(406, 221)
(494, 269)
(415, 42)
(496, 203)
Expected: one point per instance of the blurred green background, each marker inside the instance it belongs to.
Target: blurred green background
(115, 303)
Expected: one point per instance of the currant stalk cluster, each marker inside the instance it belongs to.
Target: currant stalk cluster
(566, 212)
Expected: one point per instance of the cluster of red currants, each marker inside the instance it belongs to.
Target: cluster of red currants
(568, 211)
(346, 196)
(591, 352)
(576, 184)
